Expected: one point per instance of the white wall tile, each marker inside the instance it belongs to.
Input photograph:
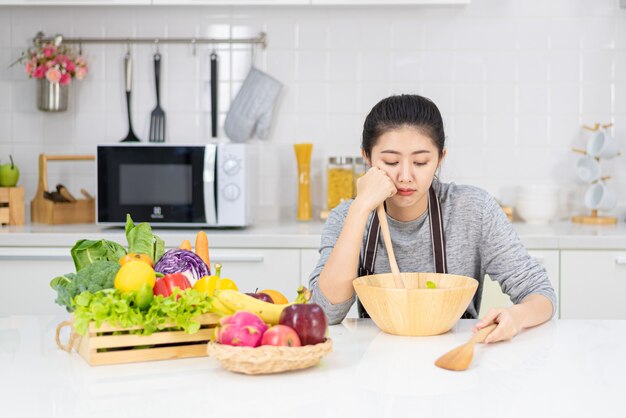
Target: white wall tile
(565, 98)
(532, 66)
(469, 67)
(513, 79)
(533, 33)
(343, 97)
(533, 130)
(501, 66)
(501, 132)
(565, 66)
(469, 97)
(374, 65)
(5, 29)
(470, 129)
(312, 66)
(533, 98)
(597, 66)
(312, 97)
(343, 66)
(440, 65)
(597, 98)
(6, 137)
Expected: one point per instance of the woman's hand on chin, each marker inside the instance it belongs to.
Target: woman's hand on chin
(374, 188)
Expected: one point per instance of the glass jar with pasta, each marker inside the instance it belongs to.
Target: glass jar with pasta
(340, 180)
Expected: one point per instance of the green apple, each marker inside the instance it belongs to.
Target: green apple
(9, 174)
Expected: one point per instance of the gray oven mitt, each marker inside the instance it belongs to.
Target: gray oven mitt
(251, 111)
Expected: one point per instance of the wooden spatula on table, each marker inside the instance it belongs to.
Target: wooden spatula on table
(461, 357)
(384, 226)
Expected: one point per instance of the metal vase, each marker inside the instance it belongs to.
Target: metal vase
(51, 97)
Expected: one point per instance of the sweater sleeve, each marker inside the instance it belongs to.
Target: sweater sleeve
(335, 312)
(506, 260)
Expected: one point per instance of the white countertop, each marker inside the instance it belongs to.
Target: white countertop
(560, 369)
(293, 234)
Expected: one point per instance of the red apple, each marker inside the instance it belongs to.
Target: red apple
(261, 296)
(281, 335)
(309, 321)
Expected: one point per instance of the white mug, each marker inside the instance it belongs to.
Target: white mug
(600, 196)
(602, 145)
(588, 169)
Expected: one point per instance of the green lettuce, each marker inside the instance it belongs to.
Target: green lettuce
(86, 252)
(123, 310)
(141, 240)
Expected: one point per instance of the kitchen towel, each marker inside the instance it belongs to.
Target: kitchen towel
(251, 111)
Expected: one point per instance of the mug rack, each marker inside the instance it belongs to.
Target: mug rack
(594, 218)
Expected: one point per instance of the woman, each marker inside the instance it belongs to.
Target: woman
(434, 226)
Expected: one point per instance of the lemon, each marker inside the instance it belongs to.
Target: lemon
(132, 275)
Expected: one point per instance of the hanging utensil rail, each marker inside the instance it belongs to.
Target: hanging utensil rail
(58, 39)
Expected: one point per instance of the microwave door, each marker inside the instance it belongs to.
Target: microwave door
(209, 183)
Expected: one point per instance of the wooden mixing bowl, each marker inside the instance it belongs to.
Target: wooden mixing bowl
(415, 310)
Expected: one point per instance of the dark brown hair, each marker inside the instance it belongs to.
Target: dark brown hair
(396, 112)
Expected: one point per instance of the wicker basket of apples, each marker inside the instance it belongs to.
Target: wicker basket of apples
(260, 337)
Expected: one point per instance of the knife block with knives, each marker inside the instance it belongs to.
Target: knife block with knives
(60, 207)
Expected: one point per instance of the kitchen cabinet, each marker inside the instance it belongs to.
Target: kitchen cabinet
(230, 2)
(277, 269)
(494, 297)
(26, 275)
(74, 2)
(385, 2)
(594, 285)
(27, 272)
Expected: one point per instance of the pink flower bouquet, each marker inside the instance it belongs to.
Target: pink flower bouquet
(58, 64)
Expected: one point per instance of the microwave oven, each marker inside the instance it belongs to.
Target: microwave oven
(176, 185)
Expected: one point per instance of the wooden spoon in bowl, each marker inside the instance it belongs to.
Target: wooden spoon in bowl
(461, 357)
(384, 226)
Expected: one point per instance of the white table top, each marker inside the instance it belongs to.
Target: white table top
(561, 369)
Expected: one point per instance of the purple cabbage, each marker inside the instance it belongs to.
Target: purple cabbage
(182, 261)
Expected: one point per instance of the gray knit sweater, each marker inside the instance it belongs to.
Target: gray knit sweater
(479, 240)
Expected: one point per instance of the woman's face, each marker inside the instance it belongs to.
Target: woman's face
(410, 159)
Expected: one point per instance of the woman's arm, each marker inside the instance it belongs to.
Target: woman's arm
(506, 260)
(534, 310)
(335, 280)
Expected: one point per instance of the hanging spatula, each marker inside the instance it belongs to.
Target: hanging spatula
(157, 117)
(128, 78)
(461, 357)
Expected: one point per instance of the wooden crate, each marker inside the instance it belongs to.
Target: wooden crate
(56, 213)
(166, 345)
(11, 206)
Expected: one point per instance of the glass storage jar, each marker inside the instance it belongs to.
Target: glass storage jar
(340, 180)
(359, 169)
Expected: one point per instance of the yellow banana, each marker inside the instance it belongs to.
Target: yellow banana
(237, 301)
(219, 308)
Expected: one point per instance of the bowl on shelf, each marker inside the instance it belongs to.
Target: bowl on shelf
(537, 204)
(415, 310)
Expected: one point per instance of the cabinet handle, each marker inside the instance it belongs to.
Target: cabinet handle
(620, 260)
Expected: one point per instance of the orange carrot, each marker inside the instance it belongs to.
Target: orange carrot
(185, 245)
(202, 247)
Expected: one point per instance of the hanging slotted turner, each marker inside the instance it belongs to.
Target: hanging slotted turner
(157, 117)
